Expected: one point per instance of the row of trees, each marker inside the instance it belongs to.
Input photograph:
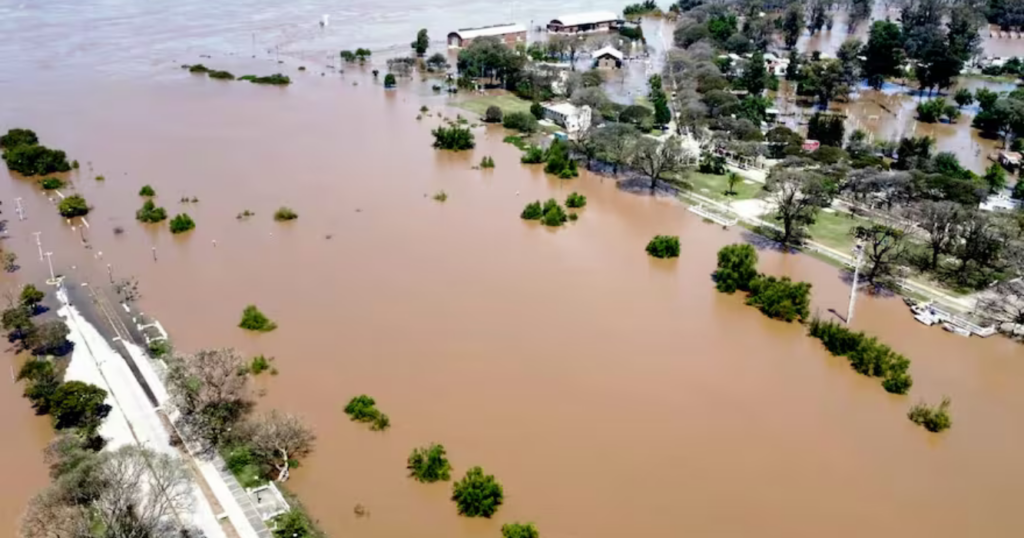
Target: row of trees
(778, 298)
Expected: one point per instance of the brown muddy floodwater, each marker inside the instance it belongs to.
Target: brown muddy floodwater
(612, 394)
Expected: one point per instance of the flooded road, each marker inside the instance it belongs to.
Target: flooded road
(610, 393)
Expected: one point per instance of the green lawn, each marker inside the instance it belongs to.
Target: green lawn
(506, 102)
(833, 229)
(714, 187)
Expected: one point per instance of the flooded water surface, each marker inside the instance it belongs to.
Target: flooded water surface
(611, 394)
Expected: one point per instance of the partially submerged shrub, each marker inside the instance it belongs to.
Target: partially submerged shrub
(389, 81)
(150, 213)
(276, 79)
(737, 267)
(487, 162)
(533, 155)
(454, 138)
(934, 419)
(18, 137)
(477, 494)
(441, 196)
(182, 223)
(493, 114)
(146, 190)
(664, 246)
(221, 75)
(159, 348)
(363, 408)
(285, 213)
(259, 364)
(532, 211)
(198, 68)
(254, 320)
(519, 530)
(554, 215)
(73, 206)
(520, 121)
(575, 201)
(780, 298)
(51, 183)
(429, 464)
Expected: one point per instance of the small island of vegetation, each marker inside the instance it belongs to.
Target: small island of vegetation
(429, 464)
(933, 418)
(284, 214)
(477, 494)
(276, 79)
(254, 320)
(146, 190)
(24, 155)
(519, 530)
(182, 223)
(52, 183)
(454, 137)
(363, 408)
(150, 213)
(664, 246)
(73, 206)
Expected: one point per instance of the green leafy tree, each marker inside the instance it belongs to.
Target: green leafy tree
(575, 201)
(151, 213)
(18, 137)
(792, 24)
(755, 76)
(389, 80)
(41, 382)
(31, 296)
(454, 138)
(737, 268)
(885, 248)
(182, 223)
(823, 79)
(429, 464)
(422, 42)
(477, 494)
(79, 405)
(532, 211)
(73, 206)
(995, 178)
(254, 320)
(554, 215)
(828, 129)
(781, 298)
(521, 121)
(796, 196)
(519, 530)
(963, 97)
(1018, 190)
(146, 190)
(17, 321)
(294, 524)
(664, 246)
(537, 110)
(35, 160)
(362, 408)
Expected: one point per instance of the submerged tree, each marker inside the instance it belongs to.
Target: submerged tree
(429, 464)
(278, 439)
(477, 494)
(209, 389)
(737, 268)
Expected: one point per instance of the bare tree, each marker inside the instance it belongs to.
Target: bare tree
(796, 196)
(47, 516)
(210, 390)
(938, 220)
(616, 142)
(1004, 306)
(146, 494)
(885, 246)
(655, 158)
(278, 438)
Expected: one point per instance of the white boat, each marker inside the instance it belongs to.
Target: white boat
(956, 330)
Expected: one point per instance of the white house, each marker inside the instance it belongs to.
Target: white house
(608, 58)
(570, 117)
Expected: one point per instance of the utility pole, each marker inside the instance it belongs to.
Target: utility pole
(21, 212)
(859, 250)
(49, 260)
(154, 253)
(110, 273)
(39, 245)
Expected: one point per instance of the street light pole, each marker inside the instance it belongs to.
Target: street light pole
(859, 249)
(49, 260)
(39, 245)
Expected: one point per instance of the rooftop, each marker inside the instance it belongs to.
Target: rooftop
(486, 31)
(608, 50)
(592, 17)
(565, 109)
